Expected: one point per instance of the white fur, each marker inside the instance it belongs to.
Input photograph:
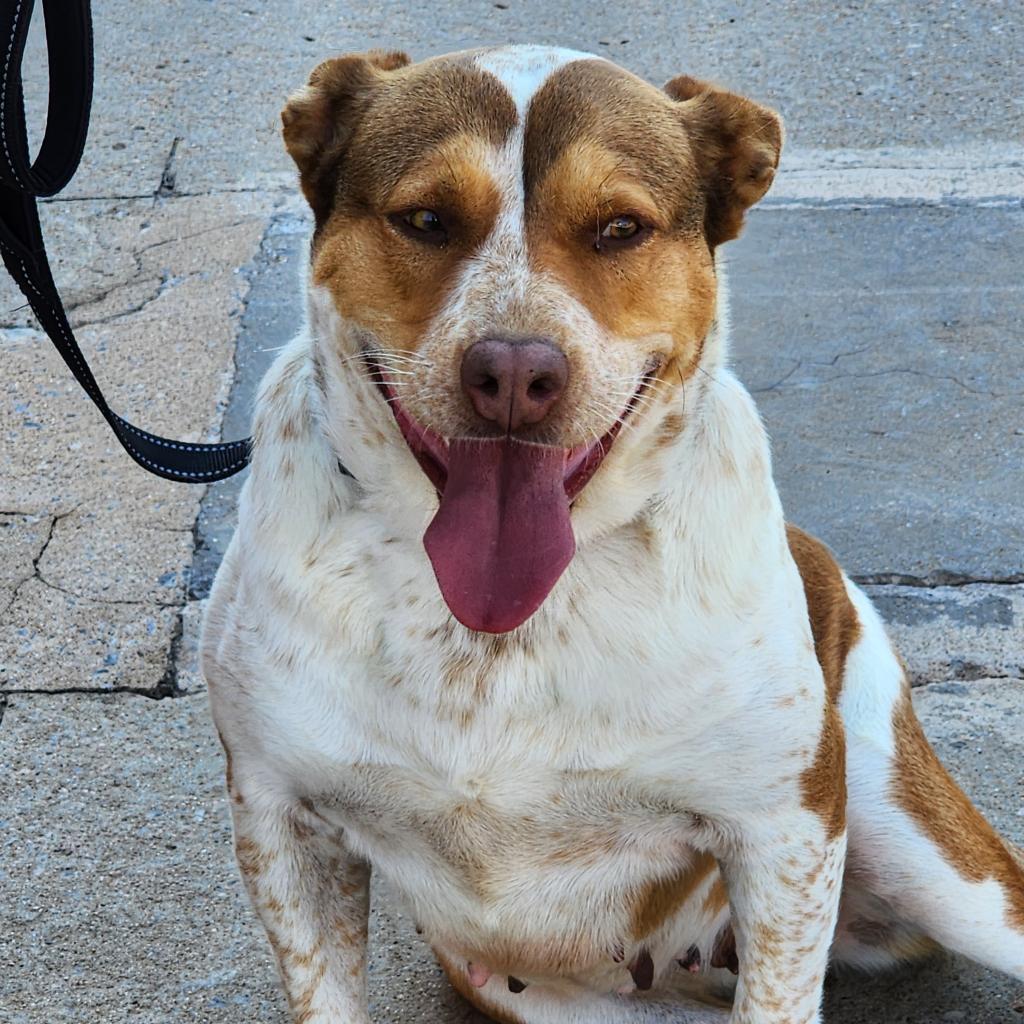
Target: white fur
(524, 69)
(662, 703)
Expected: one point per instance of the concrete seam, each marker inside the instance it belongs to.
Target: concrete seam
(261, 257)
(84, 691)
(935, 580)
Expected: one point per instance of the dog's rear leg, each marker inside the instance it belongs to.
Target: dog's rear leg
(917, 844)
(312, 896)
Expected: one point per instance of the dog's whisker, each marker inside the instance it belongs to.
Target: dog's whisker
(710, 376)
(398, 357)
(381, 358)
(627, 397)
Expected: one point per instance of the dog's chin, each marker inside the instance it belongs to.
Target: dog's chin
(502, 535)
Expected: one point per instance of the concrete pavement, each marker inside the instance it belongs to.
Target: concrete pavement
(877, 318)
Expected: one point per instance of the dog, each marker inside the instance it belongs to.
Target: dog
(512, 615)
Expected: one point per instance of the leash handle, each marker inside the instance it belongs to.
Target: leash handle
(69, 47)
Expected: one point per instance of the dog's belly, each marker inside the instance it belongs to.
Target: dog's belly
(534, 873)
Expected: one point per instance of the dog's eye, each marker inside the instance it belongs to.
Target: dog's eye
(423, 225)
(424, 220)
(621, 230)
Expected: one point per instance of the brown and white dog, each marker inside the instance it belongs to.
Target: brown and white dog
(548, 657)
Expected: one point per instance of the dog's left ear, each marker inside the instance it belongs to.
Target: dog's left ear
(737, 143)
(320, 118)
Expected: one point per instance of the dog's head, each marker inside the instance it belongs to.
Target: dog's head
(512, 275)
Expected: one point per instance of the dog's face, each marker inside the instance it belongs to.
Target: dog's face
(518, 245)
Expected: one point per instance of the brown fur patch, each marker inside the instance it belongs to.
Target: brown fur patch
(601, 142)
(707, 155)
(579, 846)
(229, 772)
(392, 284)
(253, 860)
(835, 628)
(717, 898)
(834, 622)
(737, 143)
(365, 120)
(619, 114)
(926, 791)
(318, 121)
(823, 782)
(661, 898)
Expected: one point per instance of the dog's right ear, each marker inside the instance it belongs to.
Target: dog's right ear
(319, 119)
(737, 142)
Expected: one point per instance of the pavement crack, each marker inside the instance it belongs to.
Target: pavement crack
(874, 373)
(935, 579)
(165, 280)
(922, 373)
(49, 537)
(195, 234)
(34, 574)
(85, 691)
(860, 350)
(37, 575)
(268, 190)
(167, 684)
(782, 380)
(169, 174)
(57, 200)
(125, 601)
(92, 300)
(166, 283)
(15, 594)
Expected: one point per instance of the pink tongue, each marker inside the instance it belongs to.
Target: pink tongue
(502, 535)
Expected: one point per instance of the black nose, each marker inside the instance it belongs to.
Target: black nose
(514, 383)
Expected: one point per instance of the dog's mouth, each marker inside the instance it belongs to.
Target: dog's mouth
(502, 535)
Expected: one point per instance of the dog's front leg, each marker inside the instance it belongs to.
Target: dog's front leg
(784, 893)
(313, 898)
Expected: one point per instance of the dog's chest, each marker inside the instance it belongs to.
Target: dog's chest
(527, 830)
(537, 798)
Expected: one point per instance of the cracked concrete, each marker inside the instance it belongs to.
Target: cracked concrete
(876, 316)
(912, 477)
(947, 634)
(157, 290)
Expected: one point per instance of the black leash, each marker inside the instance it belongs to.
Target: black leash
(69, 46)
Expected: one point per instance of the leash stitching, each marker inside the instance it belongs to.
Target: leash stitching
(3, 95)
(145, 435)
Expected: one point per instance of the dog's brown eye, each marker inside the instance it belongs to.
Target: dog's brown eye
(621, 232)
(423, 225)
(620, 228)
(424, 220)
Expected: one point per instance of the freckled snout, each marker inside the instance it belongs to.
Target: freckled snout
(514, 383)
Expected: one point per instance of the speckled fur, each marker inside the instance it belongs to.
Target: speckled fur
(653, 758)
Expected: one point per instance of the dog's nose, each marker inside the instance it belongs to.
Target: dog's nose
(514, 383)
